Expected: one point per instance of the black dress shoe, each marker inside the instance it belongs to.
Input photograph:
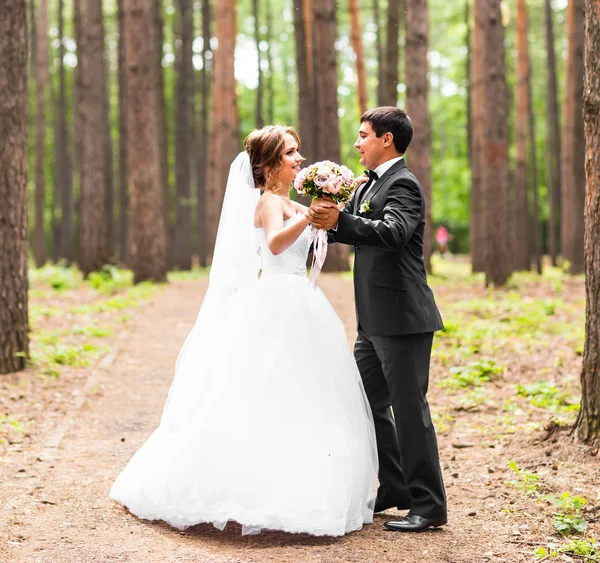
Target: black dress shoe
(414, 523)
(384, 504)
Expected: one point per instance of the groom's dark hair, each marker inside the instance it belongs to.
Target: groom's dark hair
(390, 119)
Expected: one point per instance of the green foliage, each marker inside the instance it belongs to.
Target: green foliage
(474, 373)
(527, 481)
(11, 425)
(110, 279)
(588, 549)
(568, 519)
(544, 394)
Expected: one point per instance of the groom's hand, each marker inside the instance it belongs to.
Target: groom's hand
(323, 214)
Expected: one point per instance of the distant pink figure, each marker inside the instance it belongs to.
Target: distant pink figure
(441, 239)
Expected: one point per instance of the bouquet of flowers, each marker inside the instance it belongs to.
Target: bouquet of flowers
(326, 178)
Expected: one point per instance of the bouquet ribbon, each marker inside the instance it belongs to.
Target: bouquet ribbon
(319, 241)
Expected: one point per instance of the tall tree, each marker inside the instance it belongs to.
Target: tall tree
(108, 157)
(477, 217)
(521, 245)
(123, 180)
(78, 118)
(184, 120)
(158, 43)
(588, 421)
(203, 140)
(64, 169)
(148, 233)
(495, 144)
(379, 53)
(325, 31)
(226, 144)
(417, 90)
(270, 84)
(307, 112)
(389, 93)
(573, 149)
(536, 224)
(259, 87)
(553, 145)
(93, 221)
(357, 45)
(41, 81)
(14, 323)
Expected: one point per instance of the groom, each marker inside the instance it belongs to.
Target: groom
(396, 317)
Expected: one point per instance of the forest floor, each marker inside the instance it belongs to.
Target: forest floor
(504, 390)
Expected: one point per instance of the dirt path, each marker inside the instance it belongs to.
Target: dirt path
(55, 505)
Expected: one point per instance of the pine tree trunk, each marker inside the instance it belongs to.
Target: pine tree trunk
(93, 222)
(553, 144)
(573, 150)
(588, 422)
(108, 158)
(390, 82)
(325, 32)
(536, 225)
(307, 124)
(183, 124)
(158, 38)
(14, 324)
(41, 81)
(226, 144)
(495, 145)
(477, 219)
(521, 246)
(123, 187)
(148, 233)
(357, 45)
(203, 140)
(78, 119)
(259, 88)
(64, 169)
(379, 53)
(417, 90)
(270, 85)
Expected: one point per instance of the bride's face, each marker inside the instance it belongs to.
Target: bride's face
(290, 161)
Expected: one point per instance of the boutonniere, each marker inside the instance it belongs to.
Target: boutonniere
(365, 206)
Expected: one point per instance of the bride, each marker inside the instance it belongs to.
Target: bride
(266, 422)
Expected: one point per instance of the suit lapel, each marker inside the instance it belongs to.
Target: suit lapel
(384, 179)
(359, 194)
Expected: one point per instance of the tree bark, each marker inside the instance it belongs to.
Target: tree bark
(553, 144)
(307, 120)
(417, 91)
(536, 225)
(14, 324)
(202, 175)
(64, 170)
(226, 144)
(260, 87)
(573, 151)
(325, 31)
(148, 233)
(158, 39)
(41, 81)
(108, 156)
(477, 219)
(390, 84)
(521, 246)
(270, 84)
(184, 119)
(357, 45)
(78, 118)
(495, 145)
(588, 421)
(379, 53)
(93, 222)
(123, 186)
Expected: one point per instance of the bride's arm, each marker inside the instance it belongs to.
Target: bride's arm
(279, 236)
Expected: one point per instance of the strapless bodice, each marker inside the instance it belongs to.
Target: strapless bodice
(292, 261)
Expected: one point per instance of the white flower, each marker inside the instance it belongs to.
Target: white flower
(365, 206)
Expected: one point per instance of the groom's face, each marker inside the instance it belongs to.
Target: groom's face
(369, 146)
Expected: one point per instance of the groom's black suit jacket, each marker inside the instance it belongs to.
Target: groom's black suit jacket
(391, 291)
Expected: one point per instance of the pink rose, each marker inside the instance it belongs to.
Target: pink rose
(347, 175)
(336, 185)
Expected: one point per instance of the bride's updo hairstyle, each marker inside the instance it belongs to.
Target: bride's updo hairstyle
(265, 147)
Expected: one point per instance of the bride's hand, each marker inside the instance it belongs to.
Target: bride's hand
(361, 180)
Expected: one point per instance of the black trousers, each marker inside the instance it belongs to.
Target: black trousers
(395, 373)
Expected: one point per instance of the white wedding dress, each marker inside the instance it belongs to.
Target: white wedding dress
(267, 423)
